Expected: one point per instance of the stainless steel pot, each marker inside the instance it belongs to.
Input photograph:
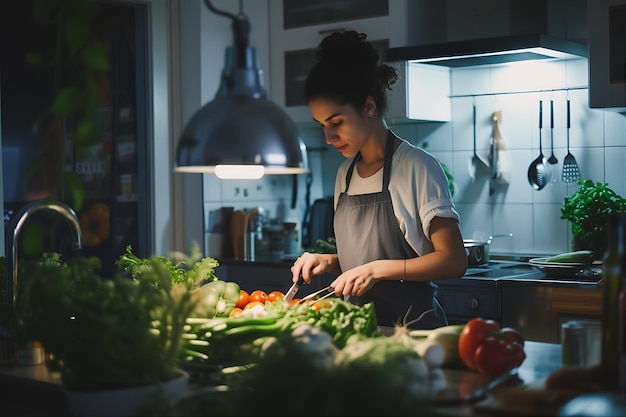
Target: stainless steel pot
(478, 251)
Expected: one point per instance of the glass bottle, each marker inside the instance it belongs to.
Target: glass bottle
(613, 277)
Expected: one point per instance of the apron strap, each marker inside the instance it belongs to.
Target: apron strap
(386, 163)
(349, 173)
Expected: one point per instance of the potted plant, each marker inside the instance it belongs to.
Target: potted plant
(106, 334)
(588, 210)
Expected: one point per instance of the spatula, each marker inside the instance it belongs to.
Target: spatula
(571, 172)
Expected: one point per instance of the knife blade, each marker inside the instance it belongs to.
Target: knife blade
(457, 393)
(293, 290)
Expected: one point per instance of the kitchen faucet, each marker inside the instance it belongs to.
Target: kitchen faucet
(13, 233)
(15, 228)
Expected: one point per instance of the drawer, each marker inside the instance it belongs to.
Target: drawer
(575, 301)
(466, 303)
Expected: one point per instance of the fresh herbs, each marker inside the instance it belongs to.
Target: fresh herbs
(588, 210)
(192, 270)
(105, 333)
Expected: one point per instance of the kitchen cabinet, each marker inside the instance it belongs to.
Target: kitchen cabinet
(421, 94)
(537, 310)
(607, 54)
(292, 51)
(521, 297)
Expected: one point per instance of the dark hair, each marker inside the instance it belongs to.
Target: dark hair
(347, 69)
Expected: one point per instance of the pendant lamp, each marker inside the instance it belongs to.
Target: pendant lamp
(240, 134)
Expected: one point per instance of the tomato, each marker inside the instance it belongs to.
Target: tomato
(258, 295)
(295, 302)
(244, 298)
(275, 296)
(495, 356)
(253, 304)
(316, 305)
(512, 335)
(235, 312)
(473, 334)
(488, 349)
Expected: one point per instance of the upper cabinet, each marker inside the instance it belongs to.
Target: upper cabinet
(297, 27)
(607, 54)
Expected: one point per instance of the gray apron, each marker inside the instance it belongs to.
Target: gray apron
(366, 229)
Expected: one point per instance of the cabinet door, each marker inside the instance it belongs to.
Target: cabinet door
(292, 49)
(422, 93)
(301, 13)
(607, 54)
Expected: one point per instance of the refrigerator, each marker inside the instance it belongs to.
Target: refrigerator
(112, 169)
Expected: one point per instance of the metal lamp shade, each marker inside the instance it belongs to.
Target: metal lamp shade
(241, 130)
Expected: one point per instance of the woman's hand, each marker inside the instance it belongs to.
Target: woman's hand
(309, 264)
(356, 281)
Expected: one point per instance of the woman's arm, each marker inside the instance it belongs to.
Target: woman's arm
(448, 260)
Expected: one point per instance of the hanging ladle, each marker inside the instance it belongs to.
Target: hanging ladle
(476, 165)
(537, 169)
(553, 167)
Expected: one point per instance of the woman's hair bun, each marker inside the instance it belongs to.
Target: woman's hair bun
(348, 69)
(348, 48)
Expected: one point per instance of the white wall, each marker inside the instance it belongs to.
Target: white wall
(597, 140)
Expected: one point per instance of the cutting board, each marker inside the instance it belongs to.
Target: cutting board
(240, 223)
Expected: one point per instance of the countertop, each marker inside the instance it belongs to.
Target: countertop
(499, 271)
(21, 385)
(502, 267)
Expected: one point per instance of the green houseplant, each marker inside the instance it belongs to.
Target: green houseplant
(588, 210)
(106, 334)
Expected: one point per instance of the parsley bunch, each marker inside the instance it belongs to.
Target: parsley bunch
(588, 210)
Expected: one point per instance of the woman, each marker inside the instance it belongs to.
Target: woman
(396, 226)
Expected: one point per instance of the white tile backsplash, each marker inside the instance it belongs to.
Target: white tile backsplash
(597, 140)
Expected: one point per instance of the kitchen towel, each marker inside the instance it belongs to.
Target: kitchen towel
(501, 173)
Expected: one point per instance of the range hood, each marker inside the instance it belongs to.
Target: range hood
(488, 51)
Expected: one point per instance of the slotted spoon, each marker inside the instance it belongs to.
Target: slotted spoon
(537, 169)
(552, 161)
(571, 172)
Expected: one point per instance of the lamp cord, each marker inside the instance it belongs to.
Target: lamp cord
(241, 27)
(221, 12)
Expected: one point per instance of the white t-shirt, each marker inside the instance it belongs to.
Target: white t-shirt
(419, 191)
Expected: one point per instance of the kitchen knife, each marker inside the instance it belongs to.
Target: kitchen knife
(293, 290)
(464, 393)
